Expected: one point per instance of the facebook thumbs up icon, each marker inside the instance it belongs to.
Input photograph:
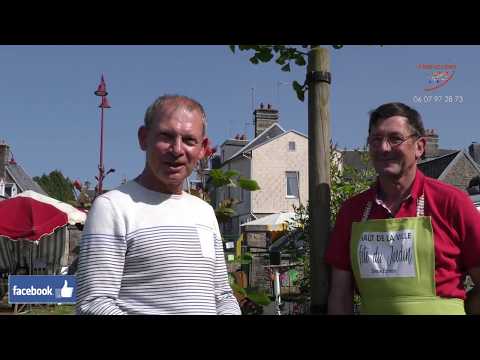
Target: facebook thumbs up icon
(65, 291)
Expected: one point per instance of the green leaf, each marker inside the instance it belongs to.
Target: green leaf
(300, 61)
(265, 55)
(232, 47)
(244, 259)
(247, 256)
(259, 298)
(299, 89)
(219, 178)
(278, 48)
(231, 173)
(337, 46)
(301, 95)
(239, 261)
(254, 60)
(291, 52)
(286, 67)
(296, 86)
(216, 172)
(225, 211)
(239, 289)
(281, 59)
(248, 184)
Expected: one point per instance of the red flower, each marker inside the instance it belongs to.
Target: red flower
(209, 151)
(77, 185)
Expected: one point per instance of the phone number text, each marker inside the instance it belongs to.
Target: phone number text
(456, 99)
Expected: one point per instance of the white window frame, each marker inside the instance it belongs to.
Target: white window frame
(297, 177)
(14, 190)
(10, 190)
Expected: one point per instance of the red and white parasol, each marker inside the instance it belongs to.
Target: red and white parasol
(75, 216)
(29, 219)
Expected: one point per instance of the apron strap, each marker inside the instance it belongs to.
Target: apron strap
(366, 212)
(420, 208)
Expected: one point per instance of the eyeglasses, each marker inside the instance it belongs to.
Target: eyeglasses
(392, 140)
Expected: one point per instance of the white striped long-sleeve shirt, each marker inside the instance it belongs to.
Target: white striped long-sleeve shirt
(144, 252)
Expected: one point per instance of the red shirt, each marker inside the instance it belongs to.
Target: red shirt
(455, 223)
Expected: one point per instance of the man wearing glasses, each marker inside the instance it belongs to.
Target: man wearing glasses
(406, 244)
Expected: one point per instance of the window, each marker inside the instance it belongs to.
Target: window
(292, 184)
(291, 146)
(240, 194)
(10, 190)
(14, 190)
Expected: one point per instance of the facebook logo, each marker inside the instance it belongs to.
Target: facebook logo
(41, 289)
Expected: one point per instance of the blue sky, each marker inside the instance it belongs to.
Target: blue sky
(51, 120)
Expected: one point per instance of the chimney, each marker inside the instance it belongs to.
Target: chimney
(264, 118)
(474, 151)
(431, 147)
(4, 154)
(231, 146)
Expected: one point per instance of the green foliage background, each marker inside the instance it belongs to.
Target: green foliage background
(57, 186)
(345, 182)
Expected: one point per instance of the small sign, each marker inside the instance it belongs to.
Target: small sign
(41, 289)
(387, 254)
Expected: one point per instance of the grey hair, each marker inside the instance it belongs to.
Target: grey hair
(180, 102)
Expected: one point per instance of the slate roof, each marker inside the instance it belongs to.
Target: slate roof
(272, 131)
(435, 167)
(442, 152)
(439, 167)
(21, 178)
(432, 167)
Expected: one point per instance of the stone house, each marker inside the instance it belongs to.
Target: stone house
(276, 159)
(13, 178)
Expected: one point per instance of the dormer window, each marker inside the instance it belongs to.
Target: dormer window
(10, 190)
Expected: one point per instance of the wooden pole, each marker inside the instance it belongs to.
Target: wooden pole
(318, 80)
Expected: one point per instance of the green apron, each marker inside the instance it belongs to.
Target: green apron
(393, 262)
